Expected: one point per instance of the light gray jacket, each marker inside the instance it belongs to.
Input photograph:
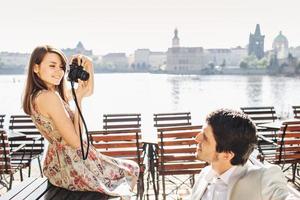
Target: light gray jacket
(249, 182)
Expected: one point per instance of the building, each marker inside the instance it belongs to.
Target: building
(144, 59)
(236, 56)
(115, 61)
(185, 59)
(295, 51)
(281, 46)
(217, 57)
(79, 49)
(14, 59)
(225, 57)
(157, 60)
(256, 43)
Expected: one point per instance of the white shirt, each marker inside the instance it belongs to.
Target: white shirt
(217, 187)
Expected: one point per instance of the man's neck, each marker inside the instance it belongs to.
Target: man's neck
(221, 167)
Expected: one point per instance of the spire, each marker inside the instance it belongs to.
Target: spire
(175, 40)
(175, 33)
(257, 30)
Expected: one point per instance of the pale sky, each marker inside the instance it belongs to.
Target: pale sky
(125, 25)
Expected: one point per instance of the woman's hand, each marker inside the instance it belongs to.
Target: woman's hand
(85, 88)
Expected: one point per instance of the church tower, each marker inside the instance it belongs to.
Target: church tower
(175, 40)
(256, 43)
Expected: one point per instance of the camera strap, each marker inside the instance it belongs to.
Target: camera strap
(84, 156)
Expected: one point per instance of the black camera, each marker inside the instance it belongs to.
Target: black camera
(77, 72)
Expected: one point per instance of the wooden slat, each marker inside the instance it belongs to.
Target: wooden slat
(185, 165)
(171, 125)
(122, 153)
(107, 132)
(167, 158)
(114, 145)
(260, 112)
(255, 108)
(180, 172)
(172, 118)
(177, 143)
(16, 190)
(179, 150)
(178, 128)
(121, 126)
(107, 138)
(122, 119)
(179, 113)
(122, 115)
(30, 188)
(262, 118)
(189, 134)
(39, 191)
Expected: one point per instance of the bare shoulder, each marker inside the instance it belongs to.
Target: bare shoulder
(48, 100)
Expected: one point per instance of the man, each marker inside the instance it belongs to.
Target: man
(226, 142)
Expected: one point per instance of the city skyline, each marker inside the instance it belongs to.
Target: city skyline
(124, 26)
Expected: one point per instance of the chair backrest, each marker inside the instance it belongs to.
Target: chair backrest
(5, 159)
(121, 121)
(2, 120)
(288, 150)
(296, 110)
(261, 115)
(124, 143)
(24, 124)
(172, 119)
(176, 150)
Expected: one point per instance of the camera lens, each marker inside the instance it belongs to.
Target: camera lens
(77, 72)
(83, 75)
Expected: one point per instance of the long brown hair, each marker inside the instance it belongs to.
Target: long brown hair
(34, 84)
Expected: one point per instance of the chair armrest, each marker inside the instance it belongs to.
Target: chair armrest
(267, 140)
(37, 138)
(14, 150)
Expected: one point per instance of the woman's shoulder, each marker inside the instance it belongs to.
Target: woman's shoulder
(46, 97)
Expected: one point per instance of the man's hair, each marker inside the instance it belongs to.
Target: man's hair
(234, 132)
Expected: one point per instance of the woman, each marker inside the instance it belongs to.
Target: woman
(46, 100)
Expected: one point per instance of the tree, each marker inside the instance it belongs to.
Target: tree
(251, 61)
(211, 65)
(223, 63)
(243, 65)
(262, 63)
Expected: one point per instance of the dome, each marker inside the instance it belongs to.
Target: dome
(281, 46)
(280, 39)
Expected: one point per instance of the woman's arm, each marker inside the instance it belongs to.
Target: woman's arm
(85, 88)
(51, 105)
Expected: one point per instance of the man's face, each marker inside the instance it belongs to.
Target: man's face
(206, 149)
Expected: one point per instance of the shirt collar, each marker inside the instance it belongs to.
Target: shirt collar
(225, 177)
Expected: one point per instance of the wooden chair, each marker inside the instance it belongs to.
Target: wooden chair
(296, 110)
(122, 141)
(34, 142)
(176, 155)
(287, 148)
(121, 121)
(260, 115)
(8, 165)
(2, 121)
(172, 119)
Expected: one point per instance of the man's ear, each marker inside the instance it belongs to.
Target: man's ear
(228, 155)
(36, 68)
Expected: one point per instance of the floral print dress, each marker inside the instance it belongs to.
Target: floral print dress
(64, 166)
